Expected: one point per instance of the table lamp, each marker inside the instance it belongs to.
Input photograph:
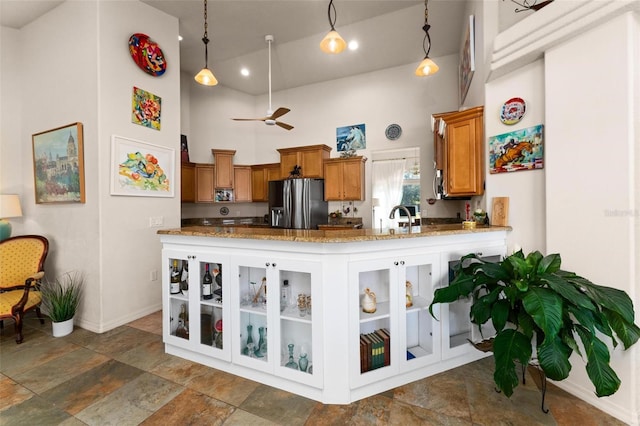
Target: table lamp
(9, 207)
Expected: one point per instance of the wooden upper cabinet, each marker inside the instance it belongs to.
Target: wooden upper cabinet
(188, 183)
(309, 158)
(223, 160)
(459, 153)
(261, 174)
(344, 179)
(204, 183)
(242, 183)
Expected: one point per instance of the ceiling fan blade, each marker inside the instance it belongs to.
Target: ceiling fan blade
(250, 119)
(279, 112)
(284, 125)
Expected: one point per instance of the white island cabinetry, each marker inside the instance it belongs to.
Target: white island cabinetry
(321, 351)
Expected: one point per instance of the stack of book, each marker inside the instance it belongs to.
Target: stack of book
(375, 350)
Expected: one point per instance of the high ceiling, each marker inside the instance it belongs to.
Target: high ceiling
(389, 33)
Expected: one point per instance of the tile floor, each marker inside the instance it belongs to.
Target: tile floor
(123, 377)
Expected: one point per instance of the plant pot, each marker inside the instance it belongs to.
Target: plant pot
(62, 328)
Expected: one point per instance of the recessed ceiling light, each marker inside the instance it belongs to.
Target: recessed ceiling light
(179, 38)
(244, 72)
(353, 45)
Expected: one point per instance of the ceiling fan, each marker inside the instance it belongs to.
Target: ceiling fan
(272, 116)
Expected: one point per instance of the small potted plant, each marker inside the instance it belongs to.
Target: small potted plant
(60, 300)
(539, 311)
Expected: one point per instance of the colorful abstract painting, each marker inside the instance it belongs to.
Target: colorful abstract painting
(142, 169)
(518, 150)
(145, 108)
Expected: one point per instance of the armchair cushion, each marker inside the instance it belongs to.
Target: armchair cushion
(21, 266)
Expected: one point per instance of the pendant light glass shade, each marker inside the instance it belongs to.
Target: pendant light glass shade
(205, 76)
(332, 42)
(427, 67)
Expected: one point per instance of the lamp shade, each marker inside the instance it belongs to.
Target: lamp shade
(427, 67)
(10, 206)
(332, 43)
(206, 78)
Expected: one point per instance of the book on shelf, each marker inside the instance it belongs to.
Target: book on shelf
(386, 339)
(377, 350)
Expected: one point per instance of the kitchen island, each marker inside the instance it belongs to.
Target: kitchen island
(287, 309)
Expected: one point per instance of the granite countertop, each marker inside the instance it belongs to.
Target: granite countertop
(327, 236)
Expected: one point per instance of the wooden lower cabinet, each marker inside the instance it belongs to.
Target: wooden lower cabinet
(188, 183)
(344, 179)
(204, 183)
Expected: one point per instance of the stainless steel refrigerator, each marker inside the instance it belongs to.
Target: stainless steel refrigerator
(297, 203)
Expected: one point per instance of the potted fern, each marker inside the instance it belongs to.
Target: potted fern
(540, 311)
(61, 299)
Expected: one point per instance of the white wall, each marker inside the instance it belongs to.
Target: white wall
(11, 142)
(129, 248)
(73, 65)
(592, 180)
(376, 99)
(525, 189)
(59, 86)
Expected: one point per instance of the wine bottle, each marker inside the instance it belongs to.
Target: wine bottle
(174, 285)
(184, 277)
(207, 281)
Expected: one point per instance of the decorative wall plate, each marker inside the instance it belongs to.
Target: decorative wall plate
(512, 111)
(224, 211)
(147, 54)
(393, 132)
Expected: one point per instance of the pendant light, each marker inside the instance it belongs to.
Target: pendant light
(332, 42)
(427, 66)
(205, 76)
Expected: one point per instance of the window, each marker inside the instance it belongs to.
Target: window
(411, 185)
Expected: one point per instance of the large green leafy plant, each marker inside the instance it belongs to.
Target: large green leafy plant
(535, 306)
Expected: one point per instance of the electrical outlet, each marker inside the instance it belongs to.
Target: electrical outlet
(153, 275)
(155, 221)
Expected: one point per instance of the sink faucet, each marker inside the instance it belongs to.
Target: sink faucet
(392, 215)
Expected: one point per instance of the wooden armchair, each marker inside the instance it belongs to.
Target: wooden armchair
(21, 266)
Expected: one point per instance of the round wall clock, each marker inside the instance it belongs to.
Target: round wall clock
(393, 132)
(224, 211)
(147, 54)
(512, 111)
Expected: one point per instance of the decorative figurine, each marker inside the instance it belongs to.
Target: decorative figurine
(369, 301)
(409, 294)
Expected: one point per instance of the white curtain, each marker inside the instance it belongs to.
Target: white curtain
(387, 177)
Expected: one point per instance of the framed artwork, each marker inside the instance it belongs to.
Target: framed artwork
(58, 165)
(145, 109)
(500, 211)
(141, 169)
(224, 195)
(517, 150)
(467, 60)
(350, 138)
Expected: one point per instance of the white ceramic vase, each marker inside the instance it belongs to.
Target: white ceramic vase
(62, 328)
(369, 301)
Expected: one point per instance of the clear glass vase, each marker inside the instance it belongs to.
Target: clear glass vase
(291, 363)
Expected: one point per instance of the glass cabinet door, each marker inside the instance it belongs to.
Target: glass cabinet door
(277, 322)
(197, 305)
(251, 323)
(373, 307)
(420, 344)
(457, 329)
